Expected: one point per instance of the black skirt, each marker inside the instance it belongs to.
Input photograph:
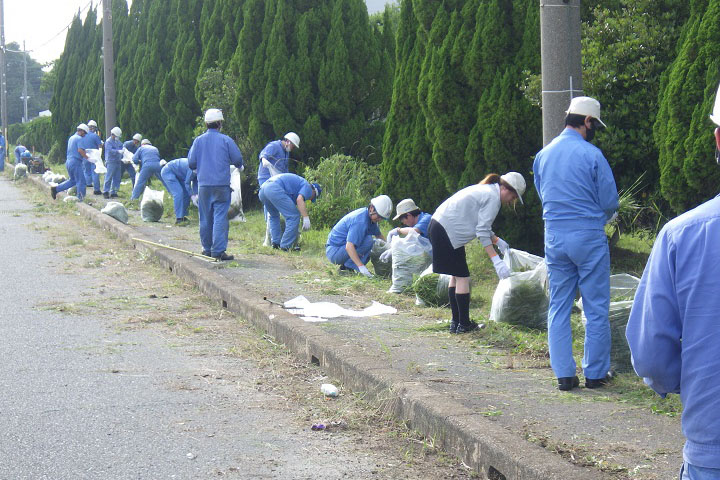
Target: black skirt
(446, 259)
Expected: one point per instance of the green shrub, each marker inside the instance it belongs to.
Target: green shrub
(15, 131)
(347, 184)
(57, 153)
(38, 135)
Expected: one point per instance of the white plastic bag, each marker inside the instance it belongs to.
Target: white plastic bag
(410, 256)
(151, 205)
(127, 156)
(94, 155)
(20, 171)
(235, 212)
(522, 299)
(116, 210)
(520, 261)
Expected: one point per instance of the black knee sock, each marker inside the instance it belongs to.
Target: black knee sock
(463, 306)
(453, 305)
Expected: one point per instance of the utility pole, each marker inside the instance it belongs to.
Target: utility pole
(24, 93)
(560, 62)
(108, 66)
(3, 84)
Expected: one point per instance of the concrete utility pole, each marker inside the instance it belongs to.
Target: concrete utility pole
(108, 67)
(560, 62)
(3, 84)
(24, 92)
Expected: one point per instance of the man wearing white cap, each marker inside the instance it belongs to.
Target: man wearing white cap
(578, 194)
(74, 164)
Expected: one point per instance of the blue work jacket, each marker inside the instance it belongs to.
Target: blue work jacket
(294, 185)
(74, 143)
(91, 140)
(146, 154)
(130, 146)
(275, 154)
(354, 228)
(113, 150)
(211, 154)
(179, 167)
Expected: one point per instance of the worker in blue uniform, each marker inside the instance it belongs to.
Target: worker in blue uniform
(92, 141)
(351, 239)
(2, 152)
(578, 194)
(25, 157)
(131, 146)
(74, 165)
(673, 328)
(181, 182)
(412, 218)
(211, 155)
(18, 153)
(148, 157)
(286, 194)
(113, 163)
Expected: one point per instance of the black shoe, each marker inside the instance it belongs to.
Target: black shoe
(53, 192)
(343, 268)
(178, 221)
(224, 257)
(113, 195)
(296, 248)
(596, 382)
(468, 327)
(97, 192)
(106, 195)
(568, 383)
(206, 253)
(276, 246)
(453, 327)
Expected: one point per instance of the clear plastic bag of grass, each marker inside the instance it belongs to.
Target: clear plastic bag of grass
(522, 299)
(410, 256)
(382, 269)
(431, 288)
(151, 205)
(116, 210)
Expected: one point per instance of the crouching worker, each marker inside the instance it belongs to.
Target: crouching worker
(412, 218)
(286, 194)
(351, 239)
(181, 182)
(461, 218)
(148, 157)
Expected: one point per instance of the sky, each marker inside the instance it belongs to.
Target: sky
(42, 23)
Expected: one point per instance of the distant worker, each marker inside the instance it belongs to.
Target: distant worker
(18, 153)
(578, 194)
(26, 157)
(412, 218)
(148, 157)
(274, 161)
(74, 165)
(181, 182)
(211, 154)
(92, 141)
(351, 239)
(2, 152)
(672, 331)
(466, 215)
(113, 163)
(132, 147)
(286, 194)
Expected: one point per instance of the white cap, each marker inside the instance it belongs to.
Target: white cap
(293, 138)
(116, 131)
(585, 106)
(517, 182)
(405, 206)
(383, 205)
(83, 127)
(92, 123)
(145, 142)
(213, 115)
(137, 137)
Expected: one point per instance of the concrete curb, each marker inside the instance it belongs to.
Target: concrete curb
(489, 449)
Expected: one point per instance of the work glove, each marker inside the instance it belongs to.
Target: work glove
(194, 199)
(613, 218)
(501, 269)
(391, 234)
(364, 270)
(386, 256)
(163, 162)
(502, 245)
(242, 168)
(306, 223)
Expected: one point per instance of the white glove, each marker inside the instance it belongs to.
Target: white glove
(613, 218)
(242, 168)
(364, 270)
(163, 162)
(391, 234)
(502, 245)
(306, 223)
(266, 163)
(501, 269)
(386, 256)
(194, 199)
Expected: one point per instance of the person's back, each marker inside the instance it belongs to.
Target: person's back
(211, 155)
(147, 154)
(131, 146)
(74, 142)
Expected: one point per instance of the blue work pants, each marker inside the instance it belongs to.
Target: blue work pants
(130, 169)
(578, 258)
(692, 472)
(213, 206)
(112, 177)
(91, 178)
(148, 169)
(76, 173)
(339, 256)
(176, 187)
(276, 202)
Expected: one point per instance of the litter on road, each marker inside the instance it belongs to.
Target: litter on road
(321, 311)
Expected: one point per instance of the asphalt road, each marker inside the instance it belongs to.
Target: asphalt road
(101, 381)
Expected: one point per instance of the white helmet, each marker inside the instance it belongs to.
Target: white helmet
(116, 131)
(137, 137)
(293, 138)
(383, 205)
(145, 142)
(213, 115)
(83, 127)
(92, 123)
